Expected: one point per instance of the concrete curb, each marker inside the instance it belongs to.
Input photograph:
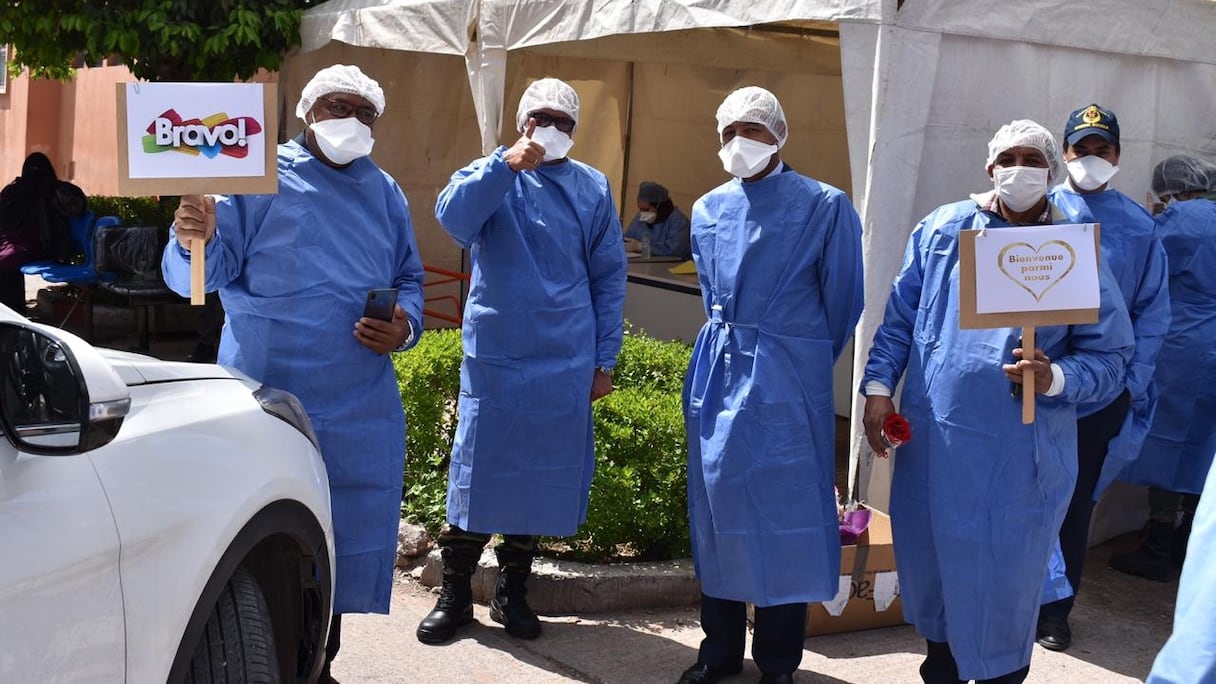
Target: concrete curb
(560, 587)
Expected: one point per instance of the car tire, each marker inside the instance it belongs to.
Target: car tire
(237, 645)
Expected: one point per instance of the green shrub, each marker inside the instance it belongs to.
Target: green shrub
(637, 509)
(429, 379)
(136, 211)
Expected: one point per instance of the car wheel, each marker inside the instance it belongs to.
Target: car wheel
(237, 645)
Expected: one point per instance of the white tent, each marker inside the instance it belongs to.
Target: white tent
(916, 89)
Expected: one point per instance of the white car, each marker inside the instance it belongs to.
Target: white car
(159, 521)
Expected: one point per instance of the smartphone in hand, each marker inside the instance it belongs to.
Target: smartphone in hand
(380, 304)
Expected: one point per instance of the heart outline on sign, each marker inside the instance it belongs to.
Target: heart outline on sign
(1072, 256)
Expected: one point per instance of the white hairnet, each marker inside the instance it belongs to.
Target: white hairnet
(754, 104)
(1026, 133)
(1181, 173)
(547, 93)
(340, 78)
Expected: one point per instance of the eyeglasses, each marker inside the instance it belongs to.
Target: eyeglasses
(561, 123)
(341, 110)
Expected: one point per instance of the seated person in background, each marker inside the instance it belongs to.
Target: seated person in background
(660, 221)
(35, 210)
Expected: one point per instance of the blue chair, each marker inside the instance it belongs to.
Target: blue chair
(83, 275)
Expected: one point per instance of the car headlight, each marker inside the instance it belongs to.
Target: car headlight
(284, 406)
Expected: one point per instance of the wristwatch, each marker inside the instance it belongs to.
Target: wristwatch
(605, 370)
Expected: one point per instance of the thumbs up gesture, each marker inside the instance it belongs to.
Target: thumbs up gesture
(525, 155)
(194, 219)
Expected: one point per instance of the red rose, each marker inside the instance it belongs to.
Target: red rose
(896, 430)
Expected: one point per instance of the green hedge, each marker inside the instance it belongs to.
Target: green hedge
(136, 211)
(637, 509)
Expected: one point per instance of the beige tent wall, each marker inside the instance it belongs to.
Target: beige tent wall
(429, 130)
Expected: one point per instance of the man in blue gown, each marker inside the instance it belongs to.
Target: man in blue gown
(1189, 656)
(1108, 435)
(294, 269)
(659, 222)
(778, 257)
(542, 328)
(1178, 451)
(977, 497)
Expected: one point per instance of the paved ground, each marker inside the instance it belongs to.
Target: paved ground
(1119, 625)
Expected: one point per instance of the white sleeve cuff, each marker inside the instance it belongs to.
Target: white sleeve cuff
(409, 339)
(875, 388)
(1057, 381)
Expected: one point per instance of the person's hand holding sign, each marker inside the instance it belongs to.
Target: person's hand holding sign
(194, 225)
(1040, 365)
(525, 154)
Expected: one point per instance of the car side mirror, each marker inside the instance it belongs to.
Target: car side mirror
(57, 394)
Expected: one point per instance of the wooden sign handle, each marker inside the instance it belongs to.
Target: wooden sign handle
(198, 270)
(1028, 376)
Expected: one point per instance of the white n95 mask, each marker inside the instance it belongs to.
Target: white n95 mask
(744, 157)
(343, 140)
(1091, 172)
(648, 216)
(557, 144)
(1020, 187)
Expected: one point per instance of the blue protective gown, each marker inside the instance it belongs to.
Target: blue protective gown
(293, 270)
(779, 263)
(1178, 451)
(669, 237)
(1189, 657)
(977, 497)
(544, 310)
(1135, 256)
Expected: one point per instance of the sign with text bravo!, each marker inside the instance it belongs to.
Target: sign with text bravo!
(196, 138)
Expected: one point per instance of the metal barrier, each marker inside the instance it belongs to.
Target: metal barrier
(446, 277)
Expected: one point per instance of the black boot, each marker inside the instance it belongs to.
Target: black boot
(510, 605)
(1152, 558)
(455, 605)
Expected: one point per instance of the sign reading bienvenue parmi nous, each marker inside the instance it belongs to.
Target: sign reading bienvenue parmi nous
(191, 138)
(1031, 275)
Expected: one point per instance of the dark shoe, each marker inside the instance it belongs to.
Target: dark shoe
(454, 608)
(509, 607)
(708, 674)
(326, 677)
(783, 678)
(1152, 558)
(1053, 633)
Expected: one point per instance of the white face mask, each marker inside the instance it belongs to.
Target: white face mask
(744, 157)
(1020, 187)
(1091, 172)
(343, 140)
(648, 216)
(557, 144)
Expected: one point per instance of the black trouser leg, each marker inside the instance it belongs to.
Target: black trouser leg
(778, 637)
(1015, 677)
(516, 551)
(725, 625)
(12, 290)
(334, 643)
(1094, 433)
(939, 666)
(462, 542)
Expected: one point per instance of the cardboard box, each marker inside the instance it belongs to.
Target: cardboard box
(869, 587)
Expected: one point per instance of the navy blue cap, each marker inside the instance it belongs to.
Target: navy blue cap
(1092, 120)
